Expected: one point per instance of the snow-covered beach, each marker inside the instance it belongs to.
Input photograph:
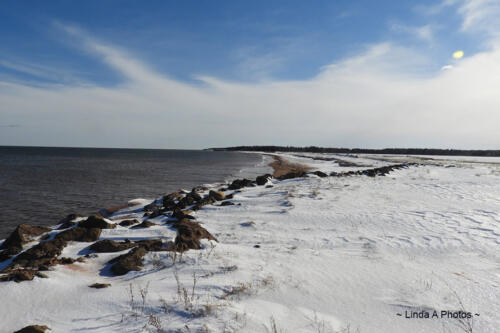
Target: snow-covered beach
(342, 253)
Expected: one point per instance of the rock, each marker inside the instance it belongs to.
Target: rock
(40, 256)
(292, 175)
(22, 235)
(107, 245)
(9, 253)
(205, 201)
(169, 205)
(320, 174)
(67, 222)
(33, 329)
(143, 225)
(217, 195)
(19, 275)
(269, 186)
(188, 200)
(189, 234)
(151, 207)
(240, 183)
(151, 244)
(199, 189)
(96, 221)
(226, 203)
(100, 285)
(153, 213)
(194, 195)
(247, 224)
(80, 234)
(262, 180)
(179, 215)
(131, 261)
(126, 223)
(230, 196)
(172, 196)
(370, 173)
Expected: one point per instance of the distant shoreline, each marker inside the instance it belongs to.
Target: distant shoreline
(385, 151)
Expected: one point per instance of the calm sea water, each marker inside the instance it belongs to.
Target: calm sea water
(40, 186)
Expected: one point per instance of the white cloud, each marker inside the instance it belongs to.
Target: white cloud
(424, 32)
(374, 99)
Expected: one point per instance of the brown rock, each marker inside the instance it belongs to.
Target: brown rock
(107, 245)
(67, 222)
(40, 256)
(80, 234)
(131, 261)
(262, 180)
(126, 223)
(96, 221)
(240, 183)
(19, 275)
(217, 195)
(151, 244)
(9, 253)
(189, 234)
(145, 224)
(100, 285)
(33, 329)
(179, 214)
(22, 235)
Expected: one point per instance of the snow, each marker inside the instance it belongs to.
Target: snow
(335, 255)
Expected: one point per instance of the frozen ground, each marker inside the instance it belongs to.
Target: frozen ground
(307, 255)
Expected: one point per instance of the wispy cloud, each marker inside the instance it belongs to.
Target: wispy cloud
(373, 99)
(424, 32)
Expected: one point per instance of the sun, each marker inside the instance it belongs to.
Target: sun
(458, 54)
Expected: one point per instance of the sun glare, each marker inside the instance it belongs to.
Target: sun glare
(458, 54)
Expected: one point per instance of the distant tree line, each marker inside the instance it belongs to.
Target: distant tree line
(402, 151)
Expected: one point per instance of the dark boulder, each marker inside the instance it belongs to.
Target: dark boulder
(320, 174)
(151, 244)
(262, 180)
(169, 205)
(200, 188)
(67, 222)
(9, 253)
(80, 234)
(22, 235)
(33, 329)
(179, 215)
(205, 201)
(217, 195)
(172, 196)
(240, 183)
(189, 234)
(153, 213)
(40, 256)
(19, 275)
(96, 221)
(292, 175)
(151, 207)
(131, 261)
(126, 223)
(143, 225)
(100, 285)
(107, 245)
(227, 203)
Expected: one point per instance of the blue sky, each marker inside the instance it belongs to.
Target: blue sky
(66, 68)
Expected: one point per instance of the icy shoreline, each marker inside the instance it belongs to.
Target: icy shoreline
(309, 254)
